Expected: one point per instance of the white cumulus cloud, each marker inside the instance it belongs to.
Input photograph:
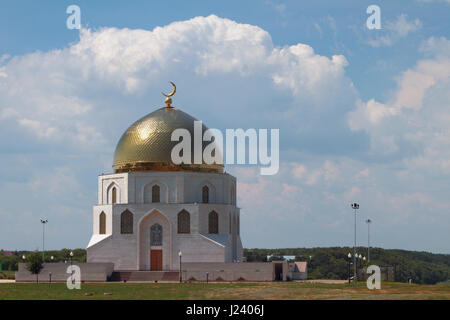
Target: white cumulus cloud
(395, 30)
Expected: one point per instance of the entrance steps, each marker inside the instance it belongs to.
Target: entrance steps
(133, 275)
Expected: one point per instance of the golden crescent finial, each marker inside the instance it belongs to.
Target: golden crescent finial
(173, 91)
(168, 100)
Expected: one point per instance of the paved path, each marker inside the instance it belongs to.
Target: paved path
(325, 281)
(7, 281)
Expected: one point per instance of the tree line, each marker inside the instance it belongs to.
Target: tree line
(332, 262)
(11, 262)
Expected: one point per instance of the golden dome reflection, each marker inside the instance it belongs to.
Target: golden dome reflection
(146, 145)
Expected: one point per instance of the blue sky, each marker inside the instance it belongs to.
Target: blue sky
(363, 114)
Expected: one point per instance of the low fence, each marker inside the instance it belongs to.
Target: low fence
(387, 273)
(243, 271)
(57, 272)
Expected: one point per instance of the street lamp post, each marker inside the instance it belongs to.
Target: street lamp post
(71, 270)
(23, 258)
(355, 206)
(368, 221)
(181, 276)
(363, 265)
(44, 222)
(348, 266)
(360, 257)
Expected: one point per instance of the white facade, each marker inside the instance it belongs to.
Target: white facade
(178, 190)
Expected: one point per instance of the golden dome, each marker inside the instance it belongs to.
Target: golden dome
(146, 144)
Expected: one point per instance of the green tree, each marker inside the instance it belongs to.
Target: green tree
(35, 264)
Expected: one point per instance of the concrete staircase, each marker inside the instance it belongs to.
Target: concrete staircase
(145, 276)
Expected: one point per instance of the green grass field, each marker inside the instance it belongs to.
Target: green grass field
(236, 291)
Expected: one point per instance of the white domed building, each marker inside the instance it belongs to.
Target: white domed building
(157, 220)
(150, 209)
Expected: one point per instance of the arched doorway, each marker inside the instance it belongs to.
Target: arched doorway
(156, 237)
(154, 246)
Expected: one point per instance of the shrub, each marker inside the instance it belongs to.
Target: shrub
(35, 264)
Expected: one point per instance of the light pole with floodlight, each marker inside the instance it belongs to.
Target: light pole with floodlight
(355, 206)
(368, 221)
(44, 222)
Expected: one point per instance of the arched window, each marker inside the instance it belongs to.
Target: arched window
(156, 235)
(184, 222)
(126, 222)
(114, 195)
(156, 193)
(102, 223)
(213, 222)
(205, 194)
